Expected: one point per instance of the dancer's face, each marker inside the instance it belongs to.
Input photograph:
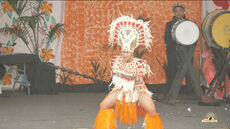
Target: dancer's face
(127, 56)
(179, 12)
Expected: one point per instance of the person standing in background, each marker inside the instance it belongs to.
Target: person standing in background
(172, 53)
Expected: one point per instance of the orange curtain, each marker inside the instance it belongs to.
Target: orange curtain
(88, 23)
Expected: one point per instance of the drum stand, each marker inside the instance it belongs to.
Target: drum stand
(220, 76)
(187, 67)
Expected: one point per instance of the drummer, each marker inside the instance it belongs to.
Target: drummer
(171, 50)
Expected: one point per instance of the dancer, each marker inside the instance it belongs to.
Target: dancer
(129, 97)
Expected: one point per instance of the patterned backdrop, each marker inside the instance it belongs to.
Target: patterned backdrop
(88, 23)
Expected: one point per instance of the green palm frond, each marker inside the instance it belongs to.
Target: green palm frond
(139, 55)
(31, 21)
(104, 70)
(114, 47)
(19, 32)
(98, 71)
(8, 30)
(141, 17)
(22, 6)
(58, 28)
(107, 46)
(39, 1)
(96, 66)
(18, 5)
(142, 53)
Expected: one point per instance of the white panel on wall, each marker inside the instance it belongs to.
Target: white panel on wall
(7, 18)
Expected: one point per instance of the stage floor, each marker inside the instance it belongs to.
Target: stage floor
(78, 111)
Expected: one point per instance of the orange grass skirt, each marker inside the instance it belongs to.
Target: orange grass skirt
(128, 113)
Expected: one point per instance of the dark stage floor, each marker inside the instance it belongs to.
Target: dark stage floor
(78, 111)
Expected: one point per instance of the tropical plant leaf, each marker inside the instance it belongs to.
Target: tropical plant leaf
(141, 17)
(38, 18)
(45, 25)
(9, 13)
(27, 20)
(106, 46)
(14, 21)
(136, 52)
(142, 53)
(14, 38)
(53, 21)
(58, 28)
(10, 70)
(104, 70)
(22, 34)
(18, 5)
(8, 44)
(102, 73)
(114, 47)
(93, 72)
(6, 25)
(52, 39)
(47, 16)
(6, 30)
(35, 9)
(30, 23)
(40, 1)
(47, 46)
(139, 55)
(94, 65)
(98, 66)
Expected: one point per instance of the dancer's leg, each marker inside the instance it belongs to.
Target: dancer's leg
(152, 119)
(106, 118)
(147, 103)
(109, 101)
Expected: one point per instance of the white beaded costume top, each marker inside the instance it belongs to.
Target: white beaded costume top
(128, 75)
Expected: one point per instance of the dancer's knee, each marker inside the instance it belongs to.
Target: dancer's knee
(103, 106)
(151, 111)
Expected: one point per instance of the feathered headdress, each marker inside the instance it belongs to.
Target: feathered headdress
(129, 33)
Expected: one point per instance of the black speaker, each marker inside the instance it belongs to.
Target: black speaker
(45, 80)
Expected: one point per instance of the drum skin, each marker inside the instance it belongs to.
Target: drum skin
(185, 32)
(216, 29)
